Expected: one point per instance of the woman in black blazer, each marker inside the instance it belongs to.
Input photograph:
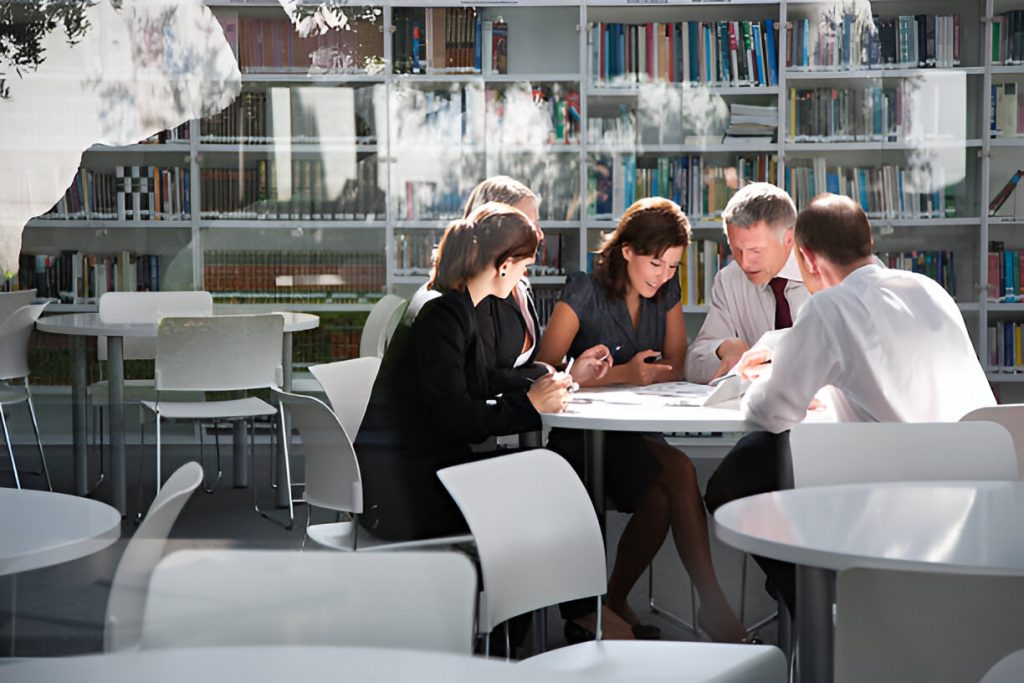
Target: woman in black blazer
(436, 393)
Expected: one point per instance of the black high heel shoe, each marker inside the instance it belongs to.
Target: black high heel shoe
(574, 633)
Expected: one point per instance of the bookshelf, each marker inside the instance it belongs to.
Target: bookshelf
(344, 157)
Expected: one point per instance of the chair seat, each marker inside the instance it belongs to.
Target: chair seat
(211, 410)
(12, 394)
(680, 662)
(139, 390)
(339, 536)
(307, 385)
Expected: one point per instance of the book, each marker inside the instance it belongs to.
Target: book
(499, 47)
(1004, 193)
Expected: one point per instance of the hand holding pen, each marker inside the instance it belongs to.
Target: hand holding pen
(591, 365)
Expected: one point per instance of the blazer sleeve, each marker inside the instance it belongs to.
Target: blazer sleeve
(443, 340)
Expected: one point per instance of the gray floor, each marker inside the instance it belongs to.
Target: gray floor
(59, 610)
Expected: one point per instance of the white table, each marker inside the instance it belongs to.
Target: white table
(952, 527)
(275, 664)
(81, 325)
(43, 528)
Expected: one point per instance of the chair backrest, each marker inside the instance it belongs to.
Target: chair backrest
(535, 530)
(219, 353)
(123, 628)
(147, 307)
(332, 471)
(348, 384)
(413, 600)
(923, 626)
(12, 301)
(1010, 416)
(380, 325)
(1009, 669)
(15, 332)
(865, 452)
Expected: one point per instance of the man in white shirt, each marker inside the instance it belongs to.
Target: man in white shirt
(891, 345)
(761, 289)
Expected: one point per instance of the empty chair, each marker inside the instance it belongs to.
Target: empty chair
(348, 384)
(216, 353)
(380, 325)
(864, 452)
(1011, 416)
(12, 301)
(15, 331)
(539, 543)
(333, 480)
(1009, 669)
(123, 627)
(422, 601)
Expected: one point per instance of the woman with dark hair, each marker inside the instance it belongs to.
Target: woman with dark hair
(434, 396)
(631, 304)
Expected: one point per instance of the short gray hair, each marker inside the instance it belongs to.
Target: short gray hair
(756, 202)
(498, 188)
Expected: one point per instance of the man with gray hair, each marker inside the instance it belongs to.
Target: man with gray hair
(761, 289)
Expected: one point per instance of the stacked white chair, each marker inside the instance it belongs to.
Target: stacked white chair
(209, 598)
(380, 325)
(15, 332)
(1009, 415)
(539, 543)
(895, 625)
(12, 301)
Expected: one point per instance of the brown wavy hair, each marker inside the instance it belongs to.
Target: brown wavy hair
(650, 226)
(491, 234)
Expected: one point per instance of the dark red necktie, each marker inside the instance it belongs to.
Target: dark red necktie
(783, 318)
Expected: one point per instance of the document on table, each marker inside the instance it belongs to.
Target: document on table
(681, 394)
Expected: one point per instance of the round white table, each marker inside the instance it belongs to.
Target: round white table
(44, 528)
(81, 325)
(276, 664)
(951, 527)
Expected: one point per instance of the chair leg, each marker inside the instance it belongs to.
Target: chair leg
(691, 625)
(10, 448)
(39, 440)
(202, 457)
(286, 482)
(158, 468)
(98, 413)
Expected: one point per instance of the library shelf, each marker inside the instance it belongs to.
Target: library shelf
(323, 79)
(720, 148)
(89, 224)
(291, 224)
(880, 72)
(288, 307)
(301, 148)
(634, 90)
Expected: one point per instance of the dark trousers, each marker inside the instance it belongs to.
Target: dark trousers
(758, 463)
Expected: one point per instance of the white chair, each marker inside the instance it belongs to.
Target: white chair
(421, 601)
(139, 307)
(333, 480)
(1009, 669)
(217, 353)
(15, 332)
(851, 453)
(348, 384)
(539, 543)
(1011, 416)
(123, 628)
(12, 301)
(866, 452)
(380, 325)
(923, 626)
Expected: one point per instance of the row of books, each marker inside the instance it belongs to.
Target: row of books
(1008, 38)
(883, 192)
(74, 277)
(1005, 350)
(1006, 119)
(131, 193)
(701, 261)
(176, 134)
(1004, 271)
(845, 39)
(275, 45)
(247, 277)
(936, 264)
(440, 40)
(870, 113)
(700, 188)
(303, 192)
(717, 52)
(297, 115)
(415, 251)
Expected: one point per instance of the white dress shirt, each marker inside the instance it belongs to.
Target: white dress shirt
(892, 345)
(739, 310)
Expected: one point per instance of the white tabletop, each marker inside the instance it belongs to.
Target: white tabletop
(954, 527)
(90, 325)
(274, 665)
(43, 528)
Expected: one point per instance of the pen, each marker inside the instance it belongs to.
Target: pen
(605, 356)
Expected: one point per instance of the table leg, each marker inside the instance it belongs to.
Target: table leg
(816, 592)
(115, 368)
(240, 454)
(593, 463)
(281, 493)
(80, 459)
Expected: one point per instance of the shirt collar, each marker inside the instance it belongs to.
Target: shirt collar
(790, 271)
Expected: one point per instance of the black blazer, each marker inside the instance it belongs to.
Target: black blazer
(503, 330)
(433, 397)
